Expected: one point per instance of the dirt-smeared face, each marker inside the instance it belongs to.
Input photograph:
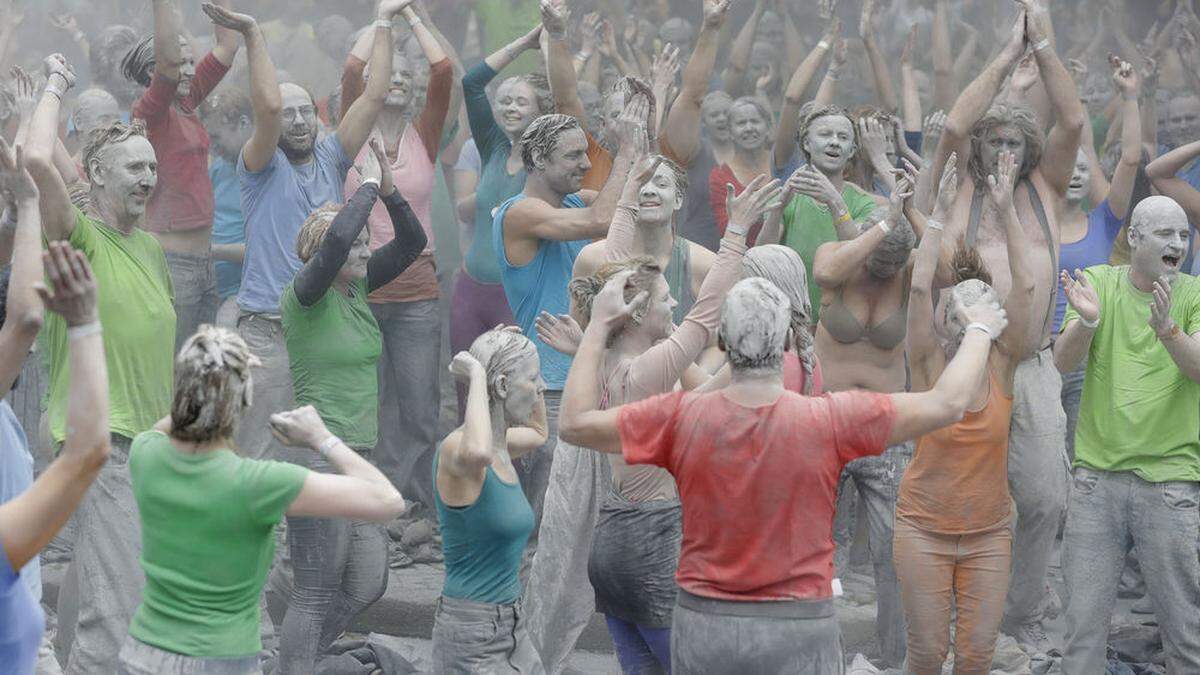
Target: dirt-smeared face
(1078, 187)
(659, 197)
(523, 386)
(515, 107)
(998, 139)
(829, 143)
(566, 164)
(298, 118)
(747, 127)
(1159, 236)
(126, 174)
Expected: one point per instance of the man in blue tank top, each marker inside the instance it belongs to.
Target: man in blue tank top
(537, 235)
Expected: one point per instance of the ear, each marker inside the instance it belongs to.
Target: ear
(502, 387)
(539, 160)
(94, 173)
(806, 146)
(1133, 236)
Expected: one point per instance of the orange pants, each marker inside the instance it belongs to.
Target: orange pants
(940, 574)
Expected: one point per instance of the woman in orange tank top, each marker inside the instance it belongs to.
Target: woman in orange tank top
(952, 544)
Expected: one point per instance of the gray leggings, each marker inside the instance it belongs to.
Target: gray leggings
(340, 569)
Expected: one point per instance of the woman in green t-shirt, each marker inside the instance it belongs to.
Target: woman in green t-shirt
(208, 515)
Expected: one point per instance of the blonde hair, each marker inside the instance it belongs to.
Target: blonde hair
(584, 290)
(212, 385)
(314, 229)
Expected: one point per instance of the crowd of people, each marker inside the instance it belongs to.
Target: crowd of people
(728, 290)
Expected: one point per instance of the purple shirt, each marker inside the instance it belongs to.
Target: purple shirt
(1094, 249)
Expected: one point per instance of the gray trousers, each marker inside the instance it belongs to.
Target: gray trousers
(196, 299)
(534, 469)
(1072, 392)
(272, 385)
(878, 482)
(1109, 513)
(715, 637)
(471, 638)
(558, 595)
(139, 658)
(103, 584)
(1037, 480)
(408, 394)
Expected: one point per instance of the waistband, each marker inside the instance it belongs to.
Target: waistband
(482, 610)
(261, 316)
(766, 609)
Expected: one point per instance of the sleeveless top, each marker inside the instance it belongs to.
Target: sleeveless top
(679, 278)
(843, 326)
(483, 542)
(957, 483)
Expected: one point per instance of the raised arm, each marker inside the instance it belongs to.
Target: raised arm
(683, 120)
(1163, 173)
(560, 63)
(264, 87)
(23, 307)
(466, 454)
(30, 521)
(734, 78)
(793, 96)
(317, 275)
(827, 91)
(1120, 190)
(910, 97)
(1019, 303)
(885, 91)
(358, 490)
(921, 343)
(836, 262)
(390, 260)
(168, 56)
(58, 216)
(359, 120)
(432, 119)
(943, 62)
(1062, 145)
(1079, 327)
(225, 47)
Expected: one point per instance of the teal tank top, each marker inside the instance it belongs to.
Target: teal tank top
(679, 278)
(483, 542)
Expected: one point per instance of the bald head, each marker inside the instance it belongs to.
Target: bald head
(1157, 209)
(1159, 236)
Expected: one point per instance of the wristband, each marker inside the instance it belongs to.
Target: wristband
(76, 332)
(66, 84)
(740, 230)
(415, 22)
(383, 23)
(884, 226)
(1171, 334)
(371, 181)
(328, 445)
(823, 44)
(982, 327)
(844, 218)
(1041, 45)
(934, 225)
(1089, 324)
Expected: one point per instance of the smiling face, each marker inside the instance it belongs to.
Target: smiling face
(1001, 138)
(187, 70)
(298, 118)
(659, 198)
(515, 107)
(829, 144)
(657, 320)
(355, 267)
(1158, 239)
(1078, 187)
(747, 127)
(400, 90)
(1183, 120)
(522, 387)
(125, 173)
(567, 162)
(714, 118)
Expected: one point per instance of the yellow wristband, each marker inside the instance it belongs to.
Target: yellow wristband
(844, 218)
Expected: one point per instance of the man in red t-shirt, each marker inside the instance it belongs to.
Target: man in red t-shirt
(757, 469)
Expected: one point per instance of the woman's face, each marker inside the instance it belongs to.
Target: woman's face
(658, 320)
(1078, 187)
(523, 389)
(748, 127)
(400, 90)
(515, 108)
(355, 267)
(714, 116)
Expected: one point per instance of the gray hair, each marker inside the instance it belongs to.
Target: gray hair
(541, 138)
(754, 325)
(784, 267)
(212, 385)
(1001, 114)
(500, 352)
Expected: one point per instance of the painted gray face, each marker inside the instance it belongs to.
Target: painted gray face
(523, 387)
(830, 144)
(400, 91)
(1006, 137)
(715, 117)
(1078, 187)
(1158, 239)
(187, 69)
(355, 267)
(747, 127)
(659, 197)
(298, 117)
(96, 109)
(515, 107)
(126, 173)
(568, 162)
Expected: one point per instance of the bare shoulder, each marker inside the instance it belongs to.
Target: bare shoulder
(589, 259)
(702, 260)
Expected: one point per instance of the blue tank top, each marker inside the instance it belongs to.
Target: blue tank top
(483, 543)
(1094, 249)
(539, 285)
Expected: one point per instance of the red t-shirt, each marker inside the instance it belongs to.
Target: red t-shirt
(720, 176)
(183, 199)
(758, 485)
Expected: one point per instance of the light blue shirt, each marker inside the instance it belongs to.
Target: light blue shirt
(275, 202)
(16, 476)
(228, 225)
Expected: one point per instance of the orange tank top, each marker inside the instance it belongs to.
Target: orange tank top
(958, 481)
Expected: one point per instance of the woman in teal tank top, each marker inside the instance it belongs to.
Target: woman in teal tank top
(484, 515)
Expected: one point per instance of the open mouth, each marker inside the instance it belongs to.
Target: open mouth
(833, 154)
(1075, 185)
(1171, 260)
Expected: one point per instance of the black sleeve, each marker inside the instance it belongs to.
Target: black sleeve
(319, 272)
(389, 260)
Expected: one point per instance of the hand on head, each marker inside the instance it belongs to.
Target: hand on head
(463, 365)
(609, 308)
(990, 314)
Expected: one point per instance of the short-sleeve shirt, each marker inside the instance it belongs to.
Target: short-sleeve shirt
(229, 227)
(1094, 249)
(807, 225)
(1138, 411)
(135, 299)
(758, 485)
(208, 522)
(183, 198)
(22, 621)
(504, 21)
(333, 350)
(539, 285)
(16, 476)
(275, 202)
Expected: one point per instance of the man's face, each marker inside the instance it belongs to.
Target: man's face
(1159, 245)
(187, 69)
(1183, 120)
(566, 165)
(298, 118)
(770, 30)
(516, 107)
(126, 173)
(593, 109)
(400, 91)
(229, 135)
(96, 110)
(830, 144)
(714, 116)
(1078, 187)
(747, 126)
(659, 197)
(1005, 137)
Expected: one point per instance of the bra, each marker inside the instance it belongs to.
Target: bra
(843, 326)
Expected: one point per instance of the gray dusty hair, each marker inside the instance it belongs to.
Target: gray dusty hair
(754, 325)
(212, 385)
(500, 352)
(784, 268)
(1002, 114)
(541, 137)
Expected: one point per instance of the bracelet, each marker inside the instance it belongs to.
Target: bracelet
(66, 84)
(932, 224)
(371, 181)
(844, 218)
(328, 445)
(54, 90)
(1041, 45)
(1091, 325)
(76, 332)
(1171, 334)
(383, 23)
(884, 226)
(823, 44)
(740, 230)
(415, 22)
(982, 327)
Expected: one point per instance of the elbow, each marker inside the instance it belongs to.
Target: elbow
(825, 278)
(570, 430)
(389, 505)
(29, 323)
(954, 131)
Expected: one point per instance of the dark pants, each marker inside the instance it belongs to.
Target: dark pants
(476, 309)
(196, 299)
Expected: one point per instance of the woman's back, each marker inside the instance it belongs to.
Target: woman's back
(207, 544)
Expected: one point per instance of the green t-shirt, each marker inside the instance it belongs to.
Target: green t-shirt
(504, 21)
(807, 225)
(1138, 412)
(135, 300)
(334, 348)
(208, 541)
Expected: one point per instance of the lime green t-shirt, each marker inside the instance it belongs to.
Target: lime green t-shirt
(334, 348)
(807, 225)
(208, 523)
(135, 300)
(504, 21)
(1138, 412)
